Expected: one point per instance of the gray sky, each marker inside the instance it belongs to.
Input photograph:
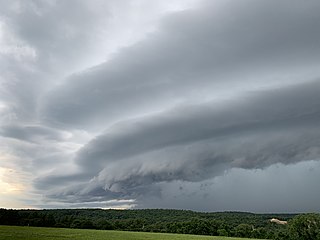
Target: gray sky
(202, 105)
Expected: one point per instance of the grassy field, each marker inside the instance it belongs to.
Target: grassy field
(34, 233)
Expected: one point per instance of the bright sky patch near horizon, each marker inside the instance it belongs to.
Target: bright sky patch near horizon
(201, 105)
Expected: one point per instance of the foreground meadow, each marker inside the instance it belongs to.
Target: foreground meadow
(34, 233)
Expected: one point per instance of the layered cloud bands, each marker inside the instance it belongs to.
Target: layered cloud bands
(205, 91)
(213, 52)
(198, 142)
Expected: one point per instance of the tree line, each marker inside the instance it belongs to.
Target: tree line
(233, 224)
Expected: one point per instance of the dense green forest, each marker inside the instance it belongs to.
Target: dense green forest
(236, 224)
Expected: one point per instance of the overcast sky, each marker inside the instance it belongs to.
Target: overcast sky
(188, 104)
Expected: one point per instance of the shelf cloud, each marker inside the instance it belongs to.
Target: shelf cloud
(133, 104)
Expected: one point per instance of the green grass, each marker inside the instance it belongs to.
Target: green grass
(34, 233)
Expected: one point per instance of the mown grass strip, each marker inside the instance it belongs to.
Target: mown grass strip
(37, 233)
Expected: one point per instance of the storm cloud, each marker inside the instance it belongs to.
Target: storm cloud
(195, 55)
(198, 142)
(133, 104)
